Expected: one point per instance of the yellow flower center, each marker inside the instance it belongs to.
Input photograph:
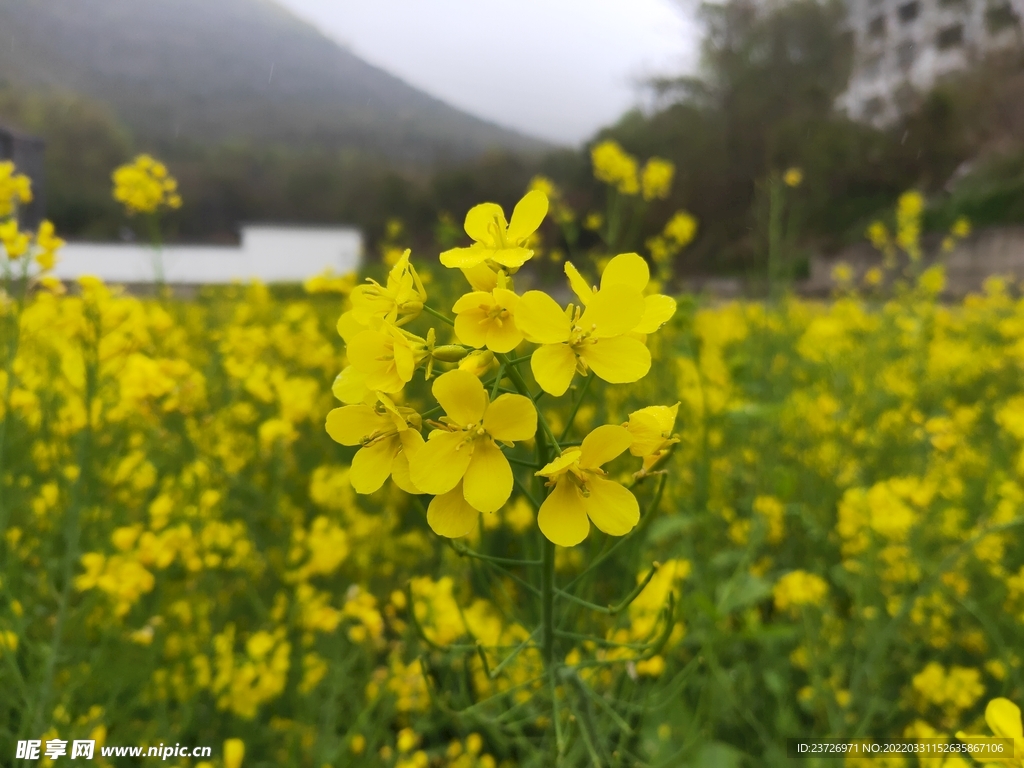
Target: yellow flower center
(497, 233)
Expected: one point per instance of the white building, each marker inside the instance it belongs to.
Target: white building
(270, 254)
(903, 46)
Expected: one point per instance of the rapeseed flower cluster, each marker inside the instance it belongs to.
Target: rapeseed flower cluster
(145, 186)
(803, 517)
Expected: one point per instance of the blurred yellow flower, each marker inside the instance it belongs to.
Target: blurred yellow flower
(582, 492)
(145, 186)
(615, 167)
(656, 179)
(1004, 718)
(799, 588)
(15, 189)
(234, 751)
(793, 177)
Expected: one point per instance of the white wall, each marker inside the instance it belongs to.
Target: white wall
(266, 253)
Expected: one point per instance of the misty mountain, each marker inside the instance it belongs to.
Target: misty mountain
(211, 71)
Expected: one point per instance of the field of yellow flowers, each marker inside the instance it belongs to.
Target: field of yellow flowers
(434, 519)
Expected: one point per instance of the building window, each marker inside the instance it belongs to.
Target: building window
(1000, 17)
(909, 11)
(950, 37)
(876, 28)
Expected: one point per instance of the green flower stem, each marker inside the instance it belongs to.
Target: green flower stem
(438, 315)
(611, 610)
(629, 537)
(497, 381)
(467, 552)
(576, 407)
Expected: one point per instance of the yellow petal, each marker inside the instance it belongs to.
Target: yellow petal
(611, 507)
(569, 457)
(405, 360)
(372, 465)
(553, 367)
(650, 427)
(604, 444)
(461, 395)
(540, 319)
(450, 515)
(464, 258)
(481, 277)
(527, 216)
(351, 424)
(511, 418)
(349, 326)
(350, 387)
(618, 361)
(511, 257)
(579, 286)
(488, 482)
(440, 463)
(471, 326)
(658, 310)
(1003, 717)
(503, 337)
(411, 442)
(629, 269)
(473, 300)
(613, 311)
(482, 222)
(563, 517)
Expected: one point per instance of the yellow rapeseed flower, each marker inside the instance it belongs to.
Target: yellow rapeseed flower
(15, 189)
(387, 433)
(15, 242)
(629, 270)
(496, 240)
(582, 492)
(799, 588)
(577, 340)
(47, 245)
(486, 319)
(1003, 717)
(461, 463)
(615, 167)
(656, 179)
(651, 429)
(145, 186)
(398, 302)
(386, 357)
(234, 751)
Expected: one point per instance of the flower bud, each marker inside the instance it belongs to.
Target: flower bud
(450, 353)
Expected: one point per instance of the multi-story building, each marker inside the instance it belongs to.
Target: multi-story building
(903, 46)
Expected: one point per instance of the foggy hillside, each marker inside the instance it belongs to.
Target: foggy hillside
(216, 70)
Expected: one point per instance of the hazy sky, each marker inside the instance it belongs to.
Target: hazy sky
(557, 69)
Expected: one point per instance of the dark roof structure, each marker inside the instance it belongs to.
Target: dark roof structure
(27, 153)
